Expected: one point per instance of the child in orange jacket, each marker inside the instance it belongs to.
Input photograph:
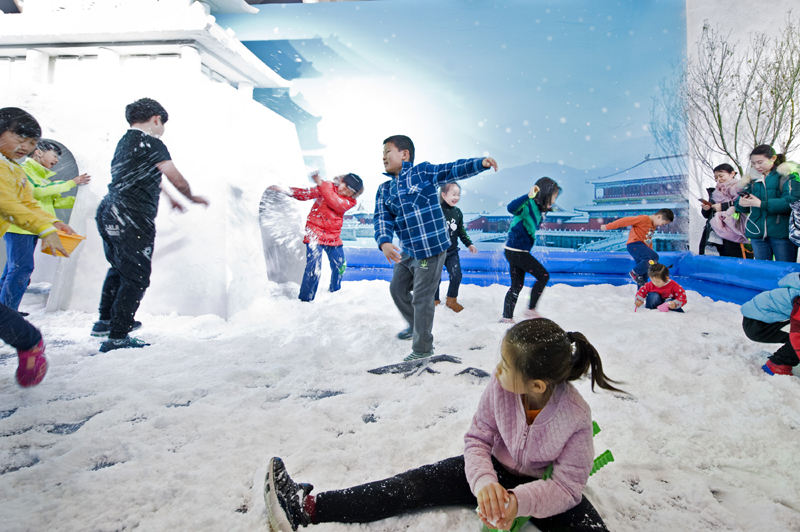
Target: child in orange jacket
(640, 239)
(324, 227)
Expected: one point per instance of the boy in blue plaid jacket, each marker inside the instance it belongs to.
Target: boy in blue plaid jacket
(408, 205)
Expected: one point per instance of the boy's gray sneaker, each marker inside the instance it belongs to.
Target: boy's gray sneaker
(406, 334)
(102, 328)
(121, 343)
(416, 356)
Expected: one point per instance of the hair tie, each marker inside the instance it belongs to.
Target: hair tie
(574, 347)
(652, 262)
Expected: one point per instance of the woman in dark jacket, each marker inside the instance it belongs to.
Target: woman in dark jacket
(768, 200)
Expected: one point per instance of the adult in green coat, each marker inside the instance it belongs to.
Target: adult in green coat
(767, 200)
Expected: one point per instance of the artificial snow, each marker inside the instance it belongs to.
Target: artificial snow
(177, 436)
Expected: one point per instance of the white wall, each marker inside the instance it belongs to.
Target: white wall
(230, 148)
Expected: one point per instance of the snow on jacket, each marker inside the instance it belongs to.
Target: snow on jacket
(520, 236)
(561, 434)
(408, 205)
(671, 290)
(46, 192)
(774, 305)
(777, 191)
(324, 223)
(17, 205)
(726, 223)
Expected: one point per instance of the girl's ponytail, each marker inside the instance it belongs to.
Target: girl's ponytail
(584, 357)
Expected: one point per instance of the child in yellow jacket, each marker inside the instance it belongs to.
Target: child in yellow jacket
(19, 133)
(21, 244)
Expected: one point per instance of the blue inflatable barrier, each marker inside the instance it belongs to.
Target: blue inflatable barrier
(720, 278)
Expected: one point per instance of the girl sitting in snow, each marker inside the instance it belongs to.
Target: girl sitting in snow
(721, 213)
(528, 418)
(661, 292)
(528, 211)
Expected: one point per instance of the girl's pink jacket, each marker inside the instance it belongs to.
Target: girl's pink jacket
(561, 434)
(324, 223)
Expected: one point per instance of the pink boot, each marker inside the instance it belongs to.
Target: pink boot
(32, 366)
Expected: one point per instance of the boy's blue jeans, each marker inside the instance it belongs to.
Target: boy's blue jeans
(642, 254)
(19, 267)
(654, 299)
(308, 288)
(783, 249)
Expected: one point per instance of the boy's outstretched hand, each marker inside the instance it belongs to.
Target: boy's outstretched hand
(472, 249)
(82, 179)
(317, 179)
(603, 227)
(391, 252)
(276, 188)
(490, 163)
(199, 200)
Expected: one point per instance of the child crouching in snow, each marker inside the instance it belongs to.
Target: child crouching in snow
(324, 227)
(767, 314)
(528, 418)
(661, 292)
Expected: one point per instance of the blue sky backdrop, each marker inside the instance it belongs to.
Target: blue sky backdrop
(525, 81)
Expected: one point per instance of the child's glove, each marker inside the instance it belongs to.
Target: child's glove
(664, 307)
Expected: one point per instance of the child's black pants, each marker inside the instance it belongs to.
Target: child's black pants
(521, 262)
(771, 333)
(452, 264)
(128, 237)
(441, 484)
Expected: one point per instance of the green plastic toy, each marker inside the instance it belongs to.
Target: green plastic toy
(605, 458)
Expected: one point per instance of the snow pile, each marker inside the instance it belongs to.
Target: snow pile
(176, 436)
(229, 148)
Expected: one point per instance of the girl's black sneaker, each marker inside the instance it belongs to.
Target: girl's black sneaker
(284, 503)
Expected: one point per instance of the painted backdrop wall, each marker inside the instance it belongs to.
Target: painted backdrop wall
(562, 89)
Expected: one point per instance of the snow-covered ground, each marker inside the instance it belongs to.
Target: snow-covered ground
(177, 436)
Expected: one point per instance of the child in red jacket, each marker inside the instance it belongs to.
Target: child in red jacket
(661, 292)
(324, 227)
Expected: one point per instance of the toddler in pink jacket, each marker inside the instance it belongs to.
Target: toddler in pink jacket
(529, 417)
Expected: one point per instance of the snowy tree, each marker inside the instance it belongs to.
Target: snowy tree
(732, 98)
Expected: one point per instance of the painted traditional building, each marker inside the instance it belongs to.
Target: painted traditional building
(653, 184)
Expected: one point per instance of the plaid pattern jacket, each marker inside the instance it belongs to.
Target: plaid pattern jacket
(409, 206)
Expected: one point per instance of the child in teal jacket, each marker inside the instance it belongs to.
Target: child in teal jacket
(528, 211)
